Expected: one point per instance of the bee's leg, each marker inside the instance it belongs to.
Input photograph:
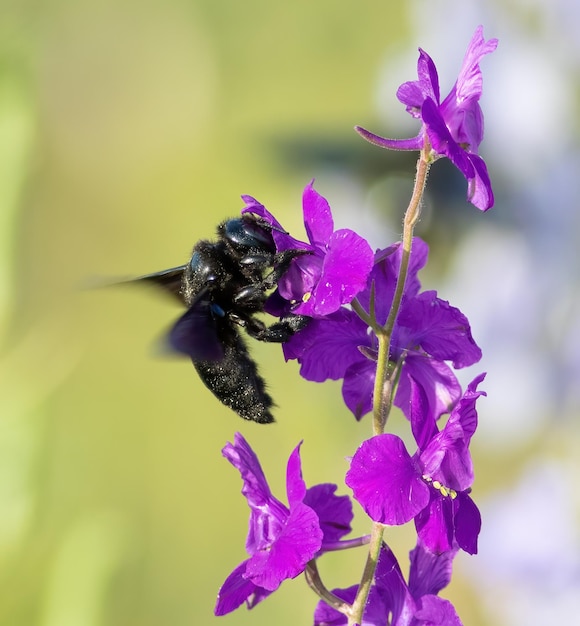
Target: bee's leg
(276, 333)
(251, 297)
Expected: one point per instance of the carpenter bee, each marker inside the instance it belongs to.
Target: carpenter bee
(224, 285)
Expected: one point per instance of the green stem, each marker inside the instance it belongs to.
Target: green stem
(368, 319)
(387, 372)
(412, 215)
(382, 385)
(383, 389)
(355, 614)
(315, 583)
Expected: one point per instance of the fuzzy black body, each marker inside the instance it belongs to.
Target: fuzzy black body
(223, 286)
(235, 380)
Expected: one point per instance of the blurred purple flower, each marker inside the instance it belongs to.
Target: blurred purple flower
(433, 485)
(337, 266)
(392, 601)
(455, 126)
(428, 331)
(281, 540)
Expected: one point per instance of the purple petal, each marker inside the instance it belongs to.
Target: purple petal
(326, 348)
(276, 305)
(434, 524)
(257, 208)
(447, 458)
(325, 615)
(460, 108)
(393, 590)
(383, 280)
(436, 611)
(267, 514)
(466, 407)
(302, 276)
(358, 387)
(479, 191)
(429, 572)
(265, 524)
(388, 597)
(467, 523)
(469, 81)
(441, 387)
(418, 260)
(386, 481)
(298, 542)
(236, 590)
(428, 78)
(334, 512)
(423, 420)
(384, 276)
(295, 485)
(411, 95)
(440, 329)
(376, 612)
(415, 143)
(447, 523)
(346, 267)
(473, 168)
(317, 216)
(465, 123)
(255, 488)
(257, 597)
(442, 141)
(282, 239)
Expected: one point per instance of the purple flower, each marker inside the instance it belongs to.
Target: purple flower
(393, 601)
(281, 540)
(454, 127)
(336, 268)
(428, 332)
(433, 485)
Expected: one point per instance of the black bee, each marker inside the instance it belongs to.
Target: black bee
(223, 286)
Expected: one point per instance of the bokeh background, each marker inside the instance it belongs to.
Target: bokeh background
(128, 130)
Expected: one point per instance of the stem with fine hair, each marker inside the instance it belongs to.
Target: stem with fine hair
(386, 373)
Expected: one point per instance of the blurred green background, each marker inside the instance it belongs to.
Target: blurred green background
(128, 130)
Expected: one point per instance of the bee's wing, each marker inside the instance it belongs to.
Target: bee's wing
(169, 280)
(196, 333)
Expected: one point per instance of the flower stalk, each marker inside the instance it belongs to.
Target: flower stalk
(386, 374)
(355, 614)
(384, 382)
(346, 312)
(314, 581)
